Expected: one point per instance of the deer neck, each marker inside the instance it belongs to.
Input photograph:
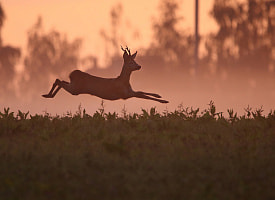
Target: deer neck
(125, 75)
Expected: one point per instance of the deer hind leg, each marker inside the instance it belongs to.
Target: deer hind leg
(59, 84)
(151, 94)
(144, 96)
(50, 94)
(69, 87)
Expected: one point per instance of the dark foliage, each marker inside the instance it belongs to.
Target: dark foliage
(185, 154)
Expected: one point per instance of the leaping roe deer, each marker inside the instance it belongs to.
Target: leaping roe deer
(105, 88)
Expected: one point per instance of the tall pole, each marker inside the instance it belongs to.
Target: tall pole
(196, 33)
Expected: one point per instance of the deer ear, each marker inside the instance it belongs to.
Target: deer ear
(134, 55)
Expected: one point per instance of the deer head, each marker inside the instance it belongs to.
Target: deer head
(129, 59)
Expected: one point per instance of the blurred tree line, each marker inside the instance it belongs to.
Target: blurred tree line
(49, 55)
(9, 55)
(244, 41)
(246, 36)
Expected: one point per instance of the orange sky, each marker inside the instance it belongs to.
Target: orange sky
(85, 19)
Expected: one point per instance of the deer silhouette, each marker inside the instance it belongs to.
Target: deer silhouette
(105, 88)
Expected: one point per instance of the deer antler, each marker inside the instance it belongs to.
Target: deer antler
(126, 50)
(122, 48)
(129, 52)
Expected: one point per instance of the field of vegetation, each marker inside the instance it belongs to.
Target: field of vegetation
(185, 154)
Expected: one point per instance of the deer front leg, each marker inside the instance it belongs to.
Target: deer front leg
(151, 94)
(144, 96)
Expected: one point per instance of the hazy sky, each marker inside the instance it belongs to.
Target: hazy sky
(85, 19)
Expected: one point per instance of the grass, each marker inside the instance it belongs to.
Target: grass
(185, 154)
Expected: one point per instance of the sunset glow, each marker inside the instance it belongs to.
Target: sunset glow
(86, 18)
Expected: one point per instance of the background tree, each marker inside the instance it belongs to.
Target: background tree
(2, 18)
(170, 41)
(9, 56)
(244, 37)
(113, 37)
(49, 56)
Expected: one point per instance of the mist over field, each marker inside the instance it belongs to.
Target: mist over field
(179, 87)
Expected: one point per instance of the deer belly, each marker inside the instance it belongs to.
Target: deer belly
(108, 93)
(108, 96)
(111, 93)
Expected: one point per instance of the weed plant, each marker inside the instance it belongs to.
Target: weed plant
(184, 154)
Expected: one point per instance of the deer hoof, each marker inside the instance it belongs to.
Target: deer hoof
(46, 96)
(157, 96)
(164, 101)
